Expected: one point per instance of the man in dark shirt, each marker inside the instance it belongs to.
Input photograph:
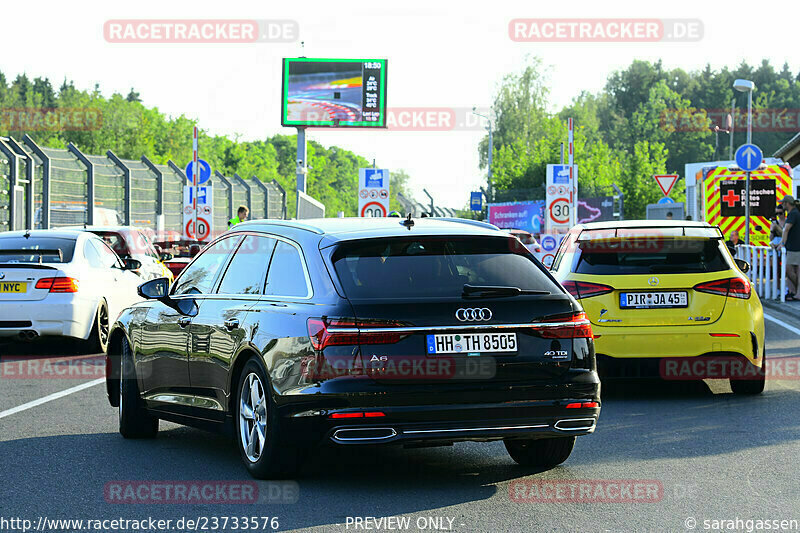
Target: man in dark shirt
(733, 242)
(791, 241)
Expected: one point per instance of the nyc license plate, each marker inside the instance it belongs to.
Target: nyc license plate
(653, 300)
(472, 343)
(15, 287)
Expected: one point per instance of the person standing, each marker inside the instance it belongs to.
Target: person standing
(791, 241)
(733, 242)
(776, 227)
(241, 216)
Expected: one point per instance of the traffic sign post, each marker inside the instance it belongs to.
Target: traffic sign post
(195, 179)
(666, 182)
(748, 158)
(205, 171)
(476, 201)
(573, 174)
(198, 210)
(560, 197)
(373, 192)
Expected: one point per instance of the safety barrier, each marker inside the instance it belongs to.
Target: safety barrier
(42, 188)
(767, 270)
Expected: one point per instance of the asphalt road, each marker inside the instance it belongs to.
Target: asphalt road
(712, 456)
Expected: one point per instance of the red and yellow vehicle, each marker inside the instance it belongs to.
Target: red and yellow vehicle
(723, 195)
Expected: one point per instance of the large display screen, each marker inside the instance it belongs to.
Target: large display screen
(334, 92)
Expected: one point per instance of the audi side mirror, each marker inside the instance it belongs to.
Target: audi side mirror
(743, 265)
(155, 289)
(166, 256)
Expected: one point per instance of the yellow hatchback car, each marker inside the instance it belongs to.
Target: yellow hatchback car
(661, 292)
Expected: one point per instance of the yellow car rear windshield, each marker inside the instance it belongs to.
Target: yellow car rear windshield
(650, 255)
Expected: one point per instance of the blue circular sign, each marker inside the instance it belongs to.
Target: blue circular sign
(748, 157)
(205, 172)
(666, 200)
(549, 243)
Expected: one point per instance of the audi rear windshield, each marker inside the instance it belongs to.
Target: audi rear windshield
(435, 267)
(20, 249)
(651, 255)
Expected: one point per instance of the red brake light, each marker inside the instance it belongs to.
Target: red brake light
(61, 284)
(585, 289)
(326, 331)
(576, 326)
(368, 414)
(730, 287)
(585, 405)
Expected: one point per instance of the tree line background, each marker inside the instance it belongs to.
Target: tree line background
(647, 120)
(130, 129)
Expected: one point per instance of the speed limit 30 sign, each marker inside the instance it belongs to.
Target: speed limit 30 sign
(561, 197)
(373, 209)
(559, 210)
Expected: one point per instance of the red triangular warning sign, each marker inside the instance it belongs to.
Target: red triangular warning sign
(666, 182)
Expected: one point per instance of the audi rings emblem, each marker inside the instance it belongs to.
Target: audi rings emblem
(474, 314)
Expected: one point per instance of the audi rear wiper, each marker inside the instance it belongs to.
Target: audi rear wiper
(488, 291)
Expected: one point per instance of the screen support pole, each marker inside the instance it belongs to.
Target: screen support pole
(302, 166)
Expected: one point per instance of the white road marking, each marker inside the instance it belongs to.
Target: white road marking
(51, 397)
(782, 324)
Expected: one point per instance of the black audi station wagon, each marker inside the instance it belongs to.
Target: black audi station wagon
(348, 332)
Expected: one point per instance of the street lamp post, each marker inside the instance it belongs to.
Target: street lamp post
(491, 149)
(748, 87)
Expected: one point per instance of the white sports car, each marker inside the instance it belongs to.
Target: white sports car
(62, 283)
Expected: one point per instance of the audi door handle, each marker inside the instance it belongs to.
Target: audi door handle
(184, 321)
(232, 323)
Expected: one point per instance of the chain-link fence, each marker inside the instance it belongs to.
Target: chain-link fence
(43, 187)
(5, 189)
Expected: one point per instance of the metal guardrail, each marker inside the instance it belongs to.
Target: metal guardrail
(767, 272)
(43, 188)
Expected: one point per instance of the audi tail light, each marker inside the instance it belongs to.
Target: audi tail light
(585, 289)
(575, 326)
(327, 331)
(59, 284)
(730, 287)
